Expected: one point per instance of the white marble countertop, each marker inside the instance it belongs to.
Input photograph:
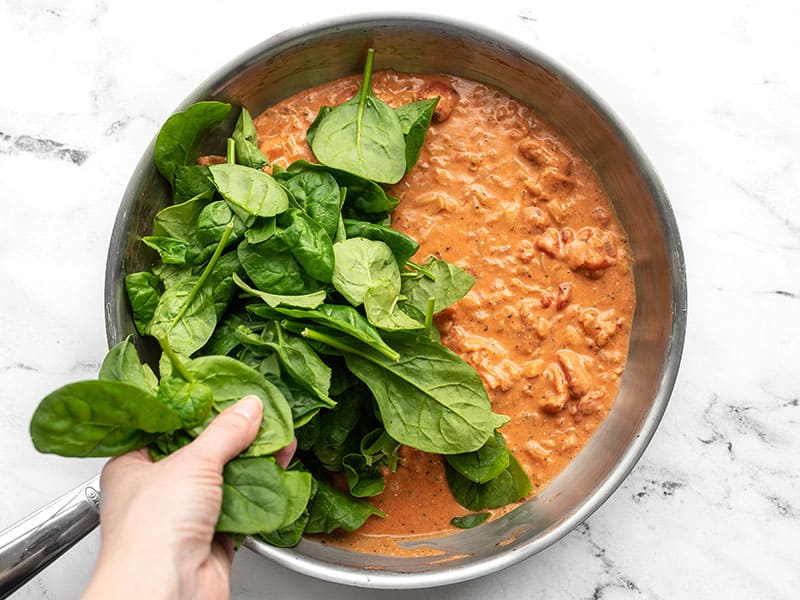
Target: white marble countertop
(711, 92)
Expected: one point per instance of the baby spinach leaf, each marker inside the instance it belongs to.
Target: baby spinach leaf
(179, 220)
(362, 136)
(318, 194)
(380, 304)
(178, 141)
(415, 119)
(299, 485)
(99, 417)
(363, 195)
(172, 251)
(311, 300)
(229, 380)
(272, 268)
(298, 359)
(220, 280)
(312, 129)
(469, 521)
(483, 464)
(430, 399)
(261, 230)
(143, 289)
(253, 191)
(403, 247)
(308, 243)
(245, 139)
(509, 486)
(331, 509)
(254, 497)
(185, 316)
(378, 447)
(288, 536)
(363, 480)
(190, 400)
(333, 432)
(449, 285)
(212, 221)
(360, 264)
(340, 317)
(304, 404)
(122, 364)
(192, 182)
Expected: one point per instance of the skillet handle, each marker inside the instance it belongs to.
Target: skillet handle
(31, 544)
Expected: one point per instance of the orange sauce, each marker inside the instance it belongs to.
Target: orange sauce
(499, 193)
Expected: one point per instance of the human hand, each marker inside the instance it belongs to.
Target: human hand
(157, 519)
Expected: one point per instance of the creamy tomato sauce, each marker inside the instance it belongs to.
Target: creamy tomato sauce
(499, 193)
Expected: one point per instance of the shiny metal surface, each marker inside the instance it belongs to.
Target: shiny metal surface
(294, 60)
(30, 545)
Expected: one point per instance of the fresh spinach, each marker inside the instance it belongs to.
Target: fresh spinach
(363, 136)
(246, 142)
(331, 509)
(310, 300)
(317, 194)
(361, 264)
(178, 142)
(402, 246)
(144, 290)
(469, 521)
(511, 485)
(449, 284)
(250, 191)
(99, 417)
(483, 464)
(122, 364)
(308, 243)
(415, 119)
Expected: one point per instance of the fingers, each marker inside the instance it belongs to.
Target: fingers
(230, 432)
(285, 454)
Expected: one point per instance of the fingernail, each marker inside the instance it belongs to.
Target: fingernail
(249, 407)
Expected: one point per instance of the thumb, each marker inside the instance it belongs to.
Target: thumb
(230, 432)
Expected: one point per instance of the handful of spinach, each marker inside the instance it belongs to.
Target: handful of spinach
(293, 287)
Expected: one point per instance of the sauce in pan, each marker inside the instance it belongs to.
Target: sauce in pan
(499, 193)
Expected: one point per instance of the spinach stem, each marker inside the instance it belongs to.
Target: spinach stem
(204, 275)
(231, 152)
(362, 99)
(331, 341)
(429, 314)
(419, 268)
(173, 358)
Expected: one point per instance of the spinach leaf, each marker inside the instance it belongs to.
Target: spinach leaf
(191, 400)
(449, 285)
(179, 220)
(245, 139)
(254, 496)
(362, 136)
(430, 399)
(360, 264)
(383, 311)
(252, 191)
(304, 405)
(469, 521)
(310, 300)
(99, 418)
(363, 480)
(185, 316)
(318, 194)
(378, 447)
(212, 221)
(415, 119)
(288, 536)
(192, 182)
(308, 243)
(331, 509)
(363, 195)
(298, 359)
(172, 251)
(333, 432)
(272, 268)
(485, 463)
(178, 141)
(230, 380)
(312, 129)
(122, 364)
(403, 247)
(220, 280)
(340, 317)
(509, 486)
(143, 289)
(261, 230)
